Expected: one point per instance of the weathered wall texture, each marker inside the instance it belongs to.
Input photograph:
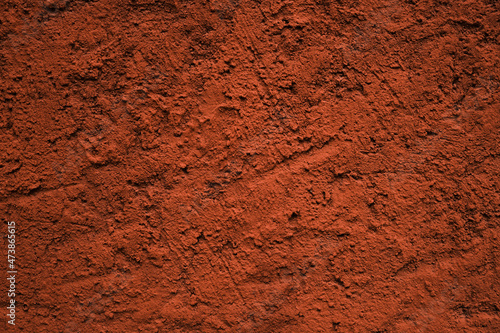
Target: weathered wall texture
(252, 166)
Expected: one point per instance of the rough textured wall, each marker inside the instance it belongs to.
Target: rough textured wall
(251, 166)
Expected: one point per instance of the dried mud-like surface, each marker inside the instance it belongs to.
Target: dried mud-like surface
(252, 166)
